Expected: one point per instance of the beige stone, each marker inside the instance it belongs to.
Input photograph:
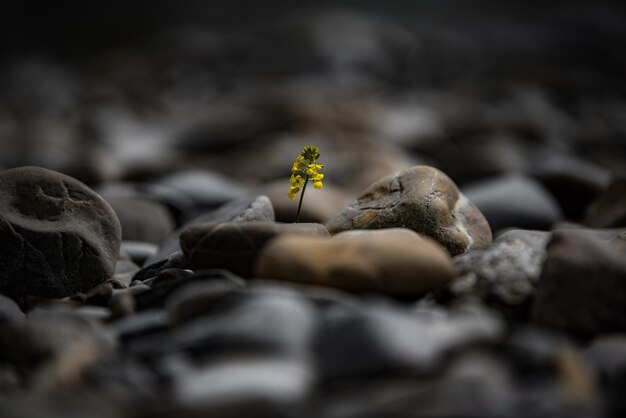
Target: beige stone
(396, 261)
(423, 199)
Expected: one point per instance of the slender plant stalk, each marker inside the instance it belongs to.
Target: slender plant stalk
(306, 181)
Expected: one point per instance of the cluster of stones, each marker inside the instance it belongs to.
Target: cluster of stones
(237, 312)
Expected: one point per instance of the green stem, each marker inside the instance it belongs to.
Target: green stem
(306, 181)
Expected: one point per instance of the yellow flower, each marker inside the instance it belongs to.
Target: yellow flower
(303, 170)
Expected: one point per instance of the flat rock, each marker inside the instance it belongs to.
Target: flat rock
(396, 261)
(582, 287)
(235, 245)
(506, 272)
(247, 209)
(58, 236)
(515, 201)
(423, 199)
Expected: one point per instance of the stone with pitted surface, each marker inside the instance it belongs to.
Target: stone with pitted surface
(57, 236)
(423, 199)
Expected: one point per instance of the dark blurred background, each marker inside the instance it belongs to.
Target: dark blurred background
(134, 91)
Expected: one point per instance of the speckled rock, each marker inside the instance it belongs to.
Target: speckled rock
(58, 236)
(506, 272)
(235, 245)
(423, 199)
(396, 261)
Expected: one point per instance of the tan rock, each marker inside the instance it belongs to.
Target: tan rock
(396, 261)
(235, 245)
(423, 199)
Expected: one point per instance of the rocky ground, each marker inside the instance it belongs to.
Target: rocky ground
(465, 258)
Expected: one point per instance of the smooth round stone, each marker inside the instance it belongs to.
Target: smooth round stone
(58, 236)
(515, 202)
(235, 245)
(205, 188)
(142, 219)
(423, 199)
(506, 272)
(396, 261)
(582, 287)
(573, 182)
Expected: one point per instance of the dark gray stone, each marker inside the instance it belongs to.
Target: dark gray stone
(138, 251)
(214, 320)
(248, 209)
(142, 219)
(58, 236)
(169, 280)
(573, 182)
(9, 311)
(382, 339)
(582, 287)
(207, 189)
(250, 386)
(506, 272)
(235, 246)
(514, 201)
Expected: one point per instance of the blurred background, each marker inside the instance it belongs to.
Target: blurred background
(225, 94)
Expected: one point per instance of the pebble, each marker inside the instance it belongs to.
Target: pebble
(212, 319)
(142, 219)
(396, 261)
(247, 209)
(245, 386)
(58, 236)
(423, 199)
(138, 251)
(235, 246)
(506, 272)
(514, 201)
(574, 182)
(386, 339)
(206, 189)
(582, 285)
